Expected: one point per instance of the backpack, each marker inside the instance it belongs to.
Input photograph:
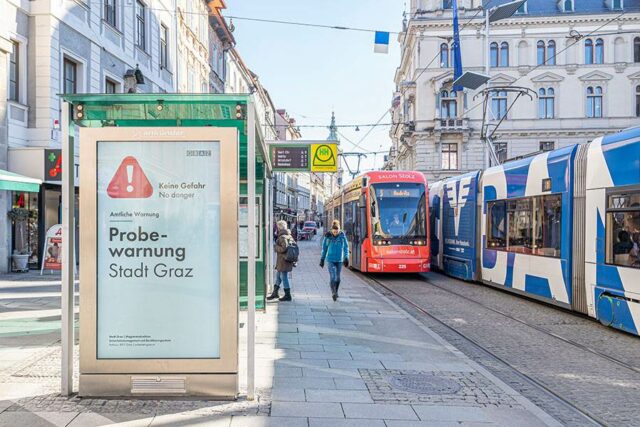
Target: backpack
(293, 252)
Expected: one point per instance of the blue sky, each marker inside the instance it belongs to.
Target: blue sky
(312, 71)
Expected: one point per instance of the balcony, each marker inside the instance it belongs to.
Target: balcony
(451, 125)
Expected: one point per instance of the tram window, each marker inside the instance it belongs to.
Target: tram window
(497, 225)
(398, 210)
(623, 229)
(519, 214)
(547, 225)
(531, 225)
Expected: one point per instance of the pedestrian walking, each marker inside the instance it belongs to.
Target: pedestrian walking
(335, 250)
(284, 262)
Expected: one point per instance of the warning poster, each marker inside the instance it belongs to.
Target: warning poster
(158, 290)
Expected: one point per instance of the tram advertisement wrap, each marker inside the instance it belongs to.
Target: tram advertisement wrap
(158, 286)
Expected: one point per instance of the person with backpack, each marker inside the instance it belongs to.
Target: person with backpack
(335, 249)
(288, 252)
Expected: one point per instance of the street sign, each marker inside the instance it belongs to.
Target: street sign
(303, 156)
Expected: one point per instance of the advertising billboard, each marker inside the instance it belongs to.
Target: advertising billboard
(158, 247)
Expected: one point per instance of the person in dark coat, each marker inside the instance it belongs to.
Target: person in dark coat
(283, 267)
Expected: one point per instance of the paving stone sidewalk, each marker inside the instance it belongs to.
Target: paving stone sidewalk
(360, 361)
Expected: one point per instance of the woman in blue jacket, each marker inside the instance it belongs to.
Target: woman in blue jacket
(335, 249)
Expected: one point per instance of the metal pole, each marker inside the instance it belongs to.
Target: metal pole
(251, 250)
(68, 233)
(487, 65)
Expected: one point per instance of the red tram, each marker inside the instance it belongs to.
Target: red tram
(385, 217)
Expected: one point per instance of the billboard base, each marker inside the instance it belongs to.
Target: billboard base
(211, 386)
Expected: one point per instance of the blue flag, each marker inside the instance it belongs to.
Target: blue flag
(381, 42)
(457, 54)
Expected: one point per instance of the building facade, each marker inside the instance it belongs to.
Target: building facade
(83, 46)
(580, 61)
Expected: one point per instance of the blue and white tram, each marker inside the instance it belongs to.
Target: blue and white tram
(562, 227)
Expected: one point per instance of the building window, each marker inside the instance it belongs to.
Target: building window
(447, 4)
(140, 25)
(110, 12)
(542, 52)
(110, 86)
(494, 54)
(568, 5)
(14, 72)
(448, 104)
(449, 156)
(588, 51)
(504, 54)
(551, 52)
(594, 102)
(546, 103)
(500, 149)
(164, 49)
(70, 76)
(623, 223)
(599, 58)
(530, 225)
(444, 55)
(637, 101)
(499, 104)
(616, 4)
(547, 146)
(636, 49)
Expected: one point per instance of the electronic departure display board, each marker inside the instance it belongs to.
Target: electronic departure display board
(290, 158)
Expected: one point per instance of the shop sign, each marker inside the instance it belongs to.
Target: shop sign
(52, 255)
(53, 165)
(158, 263)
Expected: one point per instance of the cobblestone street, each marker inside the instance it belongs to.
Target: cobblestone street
(568, 355)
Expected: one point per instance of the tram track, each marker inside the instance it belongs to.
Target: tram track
(538, 328)
(588, 415)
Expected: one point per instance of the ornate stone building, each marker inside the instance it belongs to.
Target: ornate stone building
(580, 58)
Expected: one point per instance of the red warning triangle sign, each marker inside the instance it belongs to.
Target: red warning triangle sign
(129, 181)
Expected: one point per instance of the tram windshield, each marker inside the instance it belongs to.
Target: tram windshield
(398, 210)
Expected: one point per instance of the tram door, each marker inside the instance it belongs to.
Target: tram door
(360, 232)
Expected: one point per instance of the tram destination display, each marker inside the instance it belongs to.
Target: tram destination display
(293, 158)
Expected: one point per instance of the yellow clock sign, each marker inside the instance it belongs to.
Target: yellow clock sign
(324, 157)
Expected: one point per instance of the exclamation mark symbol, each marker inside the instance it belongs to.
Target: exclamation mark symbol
(129, 178)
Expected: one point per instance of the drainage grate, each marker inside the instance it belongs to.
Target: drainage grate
(424, 384)
(153, 385)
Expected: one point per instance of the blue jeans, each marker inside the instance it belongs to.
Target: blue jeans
(282, 277)
(334, 271)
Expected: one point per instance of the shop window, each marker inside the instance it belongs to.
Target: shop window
(623, 229)
(24, 222)
(449, 156)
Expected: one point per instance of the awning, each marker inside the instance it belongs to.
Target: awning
(13, 182)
